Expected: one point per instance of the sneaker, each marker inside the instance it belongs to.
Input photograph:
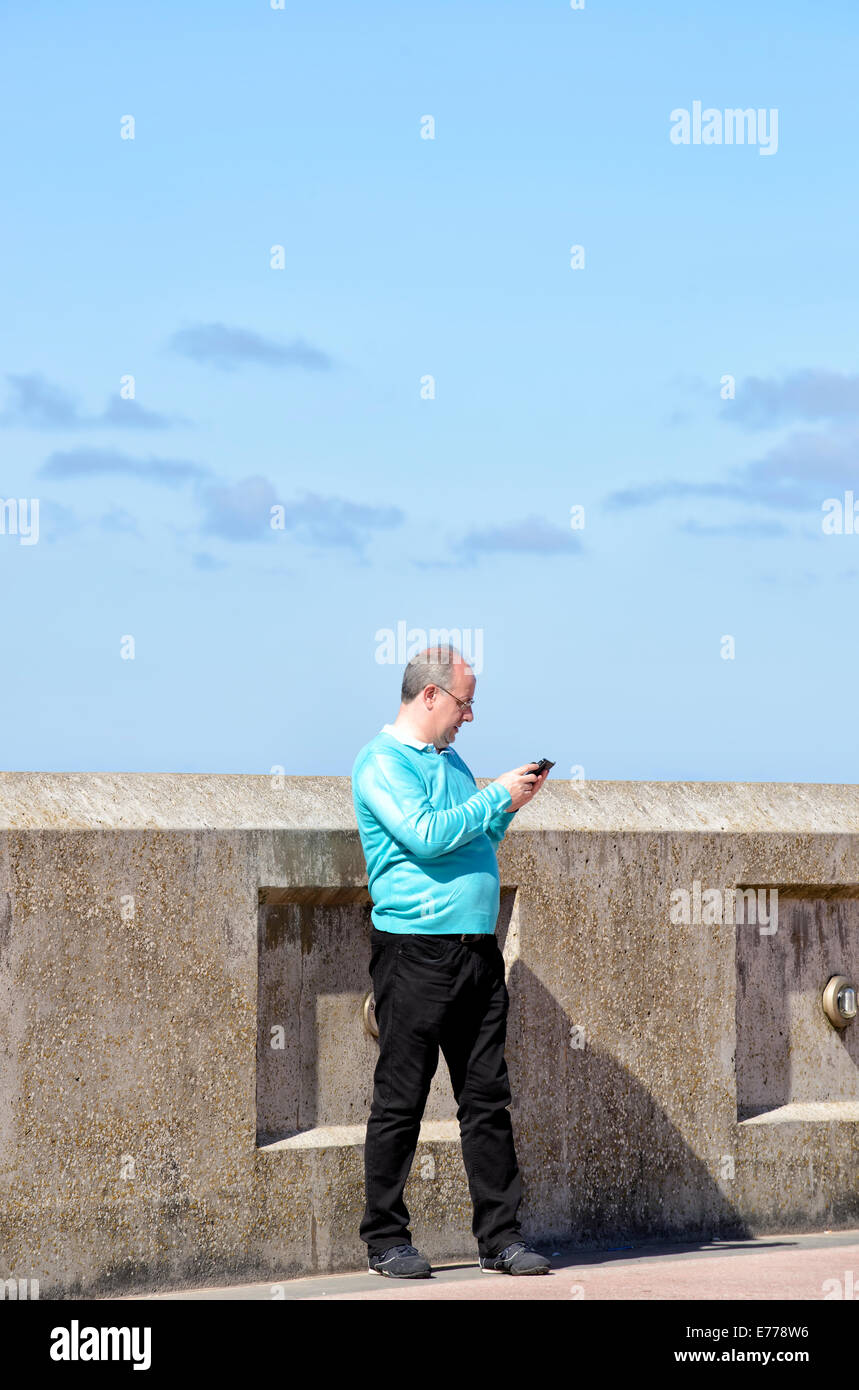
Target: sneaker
(400, 1262)
(517, 1258)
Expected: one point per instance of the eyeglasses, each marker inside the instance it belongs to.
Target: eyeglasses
(463, 704)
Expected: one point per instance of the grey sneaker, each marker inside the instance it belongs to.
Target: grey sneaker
(400, 1262)
(517, 1258)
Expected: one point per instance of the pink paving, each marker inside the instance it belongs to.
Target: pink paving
(811, 1267)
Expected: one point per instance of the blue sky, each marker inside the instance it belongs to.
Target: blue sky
(259, 387)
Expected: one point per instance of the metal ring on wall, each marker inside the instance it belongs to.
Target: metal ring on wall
(369, 1013)
(839, 1001)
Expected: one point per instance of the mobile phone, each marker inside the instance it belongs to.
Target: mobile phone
(542, 765)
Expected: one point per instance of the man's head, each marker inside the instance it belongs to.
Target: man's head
(434, 680)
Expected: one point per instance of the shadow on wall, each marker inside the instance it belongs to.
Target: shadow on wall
(599, 1158)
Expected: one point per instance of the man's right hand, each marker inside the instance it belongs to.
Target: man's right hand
(522, 784)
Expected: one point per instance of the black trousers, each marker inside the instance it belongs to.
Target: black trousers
(442, 992)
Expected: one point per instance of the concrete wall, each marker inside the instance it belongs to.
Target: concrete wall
(185, 1071)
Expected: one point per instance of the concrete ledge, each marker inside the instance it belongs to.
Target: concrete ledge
(177, 801)
(808, 1112)
(354, 1136)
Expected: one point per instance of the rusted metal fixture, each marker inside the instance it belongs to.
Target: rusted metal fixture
(369, 1012)
(839, 1001)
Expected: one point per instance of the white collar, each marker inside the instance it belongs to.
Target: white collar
(412, 742)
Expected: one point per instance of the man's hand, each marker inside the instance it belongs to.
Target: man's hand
(522, 784)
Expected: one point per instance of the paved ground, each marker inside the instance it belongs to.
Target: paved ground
(770, 1267)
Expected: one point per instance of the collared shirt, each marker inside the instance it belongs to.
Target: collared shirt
(412, 742)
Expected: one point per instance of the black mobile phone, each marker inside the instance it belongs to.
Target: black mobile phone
(542, 765)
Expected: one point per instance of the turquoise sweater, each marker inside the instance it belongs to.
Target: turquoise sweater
(429, 838)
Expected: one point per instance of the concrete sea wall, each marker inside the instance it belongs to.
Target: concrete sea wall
(186, 1070)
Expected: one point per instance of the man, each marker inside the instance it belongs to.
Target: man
(429, 839)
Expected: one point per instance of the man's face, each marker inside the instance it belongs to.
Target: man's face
(447, 714)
